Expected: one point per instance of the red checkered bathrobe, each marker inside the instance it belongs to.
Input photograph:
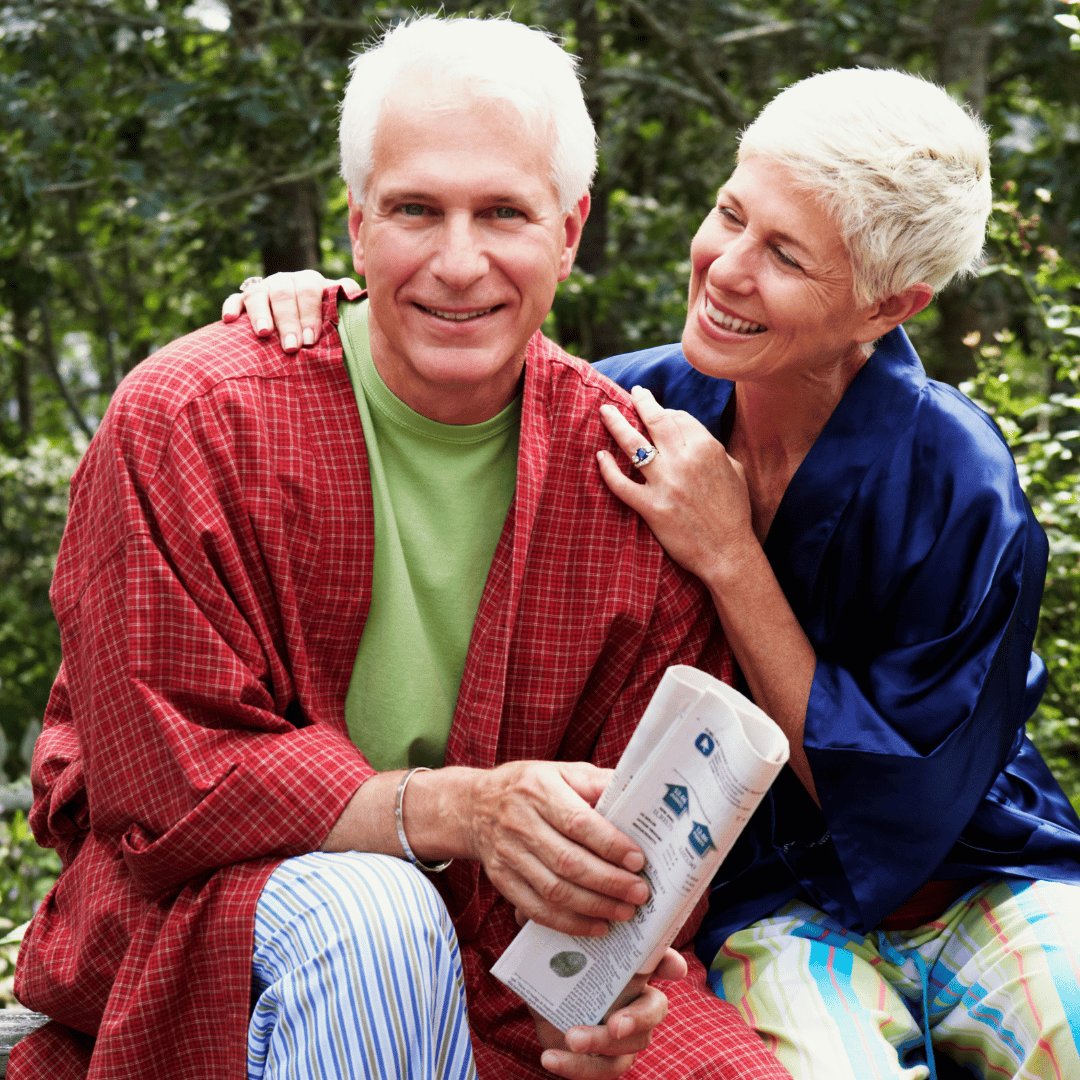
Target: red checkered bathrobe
(211, 591)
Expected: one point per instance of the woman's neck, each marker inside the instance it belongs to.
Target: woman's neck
(776, 422)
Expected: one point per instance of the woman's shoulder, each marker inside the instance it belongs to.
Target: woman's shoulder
(951, 433)
(667, 373)
(938, 425)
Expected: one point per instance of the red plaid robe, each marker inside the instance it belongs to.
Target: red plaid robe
(211, 591)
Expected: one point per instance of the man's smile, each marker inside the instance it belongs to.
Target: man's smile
(458, 316)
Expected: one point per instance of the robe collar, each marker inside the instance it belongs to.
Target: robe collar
(879, 401)
(474, 733)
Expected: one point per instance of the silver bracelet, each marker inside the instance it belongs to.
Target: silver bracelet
(431, 869)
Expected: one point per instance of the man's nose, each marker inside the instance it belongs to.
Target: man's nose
(461, 258)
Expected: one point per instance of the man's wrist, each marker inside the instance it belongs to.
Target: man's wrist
(435, 813)
(399, 814)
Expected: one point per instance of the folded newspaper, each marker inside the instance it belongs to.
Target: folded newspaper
(699, 762)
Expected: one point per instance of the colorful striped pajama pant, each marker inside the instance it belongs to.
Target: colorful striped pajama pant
(356, 972)
(991, 989)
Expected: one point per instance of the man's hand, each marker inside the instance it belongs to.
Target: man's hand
(291, 303)
(544, 847)
(597, 1053)
(530, 823)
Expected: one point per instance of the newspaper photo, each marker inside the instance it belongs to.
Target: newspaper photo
(699, 762)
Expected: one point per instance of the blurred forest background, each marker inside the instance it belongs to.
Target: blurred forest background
(153, 153)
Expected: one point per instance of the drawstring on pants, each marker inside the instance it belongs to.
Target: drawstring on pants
(923, 968)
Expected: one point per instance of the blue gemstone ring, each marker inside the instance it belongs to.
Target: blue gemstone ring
(643, 455)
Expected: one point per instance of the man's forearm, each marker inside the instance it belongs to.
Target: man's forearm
(432, 815)
(530, 823)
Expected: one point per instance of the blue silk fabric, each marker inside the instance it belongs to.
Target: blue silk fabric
(915, 566)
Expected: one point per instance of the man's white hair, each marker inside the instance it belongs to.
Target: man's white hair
(490, 59)
(900, 167)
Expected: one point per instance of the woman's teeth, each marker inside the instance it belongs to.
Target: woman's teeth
(729, 322)
(455, 316)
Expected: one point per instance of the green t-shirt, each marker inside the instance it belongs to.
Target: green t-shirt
(440, 493)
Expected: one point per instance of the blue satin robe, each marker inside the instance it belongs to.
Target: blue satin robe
(915, 566)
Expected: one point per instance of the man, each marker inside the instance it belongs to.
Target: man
(330, 613)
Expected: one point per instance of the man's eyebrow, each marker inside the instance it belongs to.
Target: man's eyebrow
(494, 198)
(403, 197)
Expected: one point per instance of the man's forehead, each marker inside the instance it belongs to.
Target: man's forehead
(425, 142)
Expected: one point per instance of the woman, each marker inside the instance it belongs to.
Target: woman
(902, 904)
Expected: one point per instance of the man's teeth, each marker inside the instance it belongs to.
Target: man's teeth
(456, 316)
(729, 322)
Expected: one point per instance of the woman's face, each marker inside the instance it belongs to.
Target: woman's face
(771, 283)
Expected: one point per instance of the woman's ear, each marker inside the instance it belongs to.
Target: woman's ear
(889, 313)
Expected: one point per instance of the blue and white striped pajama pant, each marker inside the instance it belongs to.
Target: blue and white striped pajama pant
(356, 973)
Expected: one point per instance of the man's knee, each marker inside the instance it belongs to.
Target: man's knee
(356, 972)
(362, 907)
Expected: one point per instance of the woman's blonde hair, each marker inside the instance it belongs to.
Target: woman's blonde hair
(899, 166)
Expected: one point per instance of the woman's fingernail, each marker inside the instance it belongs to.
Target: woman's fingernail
(290, 342)
(309, 336)
(262, 327)
(624, 1027)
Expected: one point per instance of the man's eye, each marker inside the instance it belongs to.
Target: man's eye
(506, 213)
(412, 209)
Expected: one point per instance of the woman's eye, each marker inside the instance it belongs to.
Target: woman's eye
(727, 212)
(786, 259)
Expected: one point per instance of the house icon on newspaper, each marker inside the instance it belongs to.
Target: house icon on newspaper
(700, 840)
(677, 798)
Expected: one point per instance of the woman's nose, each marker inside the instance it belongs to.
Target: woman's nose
(732, 266)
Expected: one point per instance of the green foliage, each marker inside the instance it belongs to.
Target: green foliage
(1029, 380)
(33, 504)
(27, 873)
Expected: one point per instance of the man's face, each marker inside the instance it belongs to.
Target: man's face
(462, 243)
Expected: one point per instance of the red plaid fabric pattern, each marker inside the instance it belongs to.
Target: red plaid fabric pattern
(211, 591)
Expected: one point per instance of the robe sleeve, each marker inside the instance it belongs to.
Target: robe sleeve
(186, 726)
(935, 569)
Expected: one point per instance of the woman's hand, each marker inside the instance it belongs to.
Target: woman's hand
(608, 1050)
(696, 502)
(694, 496)
(290, 303)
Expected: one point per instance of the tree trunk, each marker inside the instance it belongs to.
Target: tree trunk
(595, 337)
(20, 374)
(290, 227)
(963, 57)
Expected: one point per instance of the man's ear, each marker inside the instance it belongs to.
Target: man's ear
(889, 313)
(356, 219)
(574, 223)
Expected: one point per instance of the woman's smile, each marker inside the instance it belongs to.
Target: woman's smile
(731, 322)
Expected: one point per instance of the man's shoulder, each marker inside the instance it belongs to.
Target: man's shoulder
(199, 363)
(571, 376)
